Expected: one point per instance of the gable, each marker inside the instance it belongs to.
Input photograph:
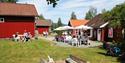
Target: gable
(75, 23)
(14, 9)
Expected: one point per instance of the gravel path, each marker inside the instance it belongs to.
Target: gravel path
(62, 44)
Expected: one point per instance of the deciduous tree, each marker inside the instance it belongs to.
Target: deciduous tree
(41, 17)
(91, 13)
(53, 2)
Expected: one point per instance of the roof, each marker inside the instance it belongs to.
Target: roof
(76, 22)
(96, 22)
(16, 9)
(40, 22)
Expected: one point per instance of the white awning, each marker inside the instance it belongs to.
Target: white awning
(83, 27)
(104, 24)
(63, 28)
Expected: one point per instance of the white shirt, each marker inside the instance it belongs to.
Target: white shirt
(25, 34)
(74, 40)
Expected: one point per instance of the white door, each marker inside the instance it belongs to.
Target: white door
(91, 32)
(99, 34)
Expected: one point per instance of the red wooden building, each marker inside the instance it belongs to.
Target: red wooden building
(77, 22)
(100, 29)
(103, 32)
(16, 18)
(43, 26)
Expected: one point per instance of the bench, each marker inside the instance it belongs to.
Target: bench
(19, 38)
(74, 59)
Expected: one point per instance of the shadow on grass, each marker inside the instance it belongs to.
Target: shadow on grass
(106, 54)
(102, 53)
(118, 58)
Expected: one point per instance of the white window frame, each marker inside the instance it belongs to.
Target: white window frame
(1, 20)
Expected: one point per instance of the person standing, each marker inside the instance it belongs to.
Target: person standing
(74, 41)
(36, 34)
(79, 38)
(46, 34)
(86, 39)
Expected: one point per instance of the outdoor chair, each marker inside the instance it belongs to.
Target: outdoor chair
(84, 41)
(74, 59)
(16, 38)
(50, 60)
(113, 51)
(74, 42)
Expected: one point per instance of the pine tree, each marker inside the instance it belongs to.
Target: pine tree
(73, 16)
(59, 23)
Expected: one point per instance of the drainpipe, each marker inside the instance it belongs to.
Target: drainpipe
(123, 33)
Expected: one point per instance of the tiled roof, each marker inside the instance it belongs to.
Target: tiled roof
(75, 23)
(16, 9)
(96, 22)
(40, 22)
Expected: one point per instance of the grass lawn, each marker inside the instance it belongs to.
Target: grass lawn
(33, 52)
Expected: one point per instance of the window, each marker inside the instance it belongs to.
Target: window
(1, 19)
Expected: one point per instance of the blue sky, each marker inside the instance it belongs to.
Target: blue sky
(66, 7)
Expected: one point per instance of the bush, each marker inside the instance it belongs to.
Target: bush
(121, 44)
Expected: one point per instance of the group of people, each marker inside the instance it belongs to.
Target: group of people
(75, 39)
(25, 37)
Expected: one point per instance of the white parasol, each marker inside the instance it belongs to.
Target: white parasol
(83, 27)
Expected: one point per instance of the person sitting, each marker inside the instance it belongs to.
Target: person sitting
(117, 51)
(82, 39)
(29, 36)
(44, 33)
(65, 38)
(74, 41)
(16, 37)
(69, 38)
(56, 38)
(26, 36)
(86, 39)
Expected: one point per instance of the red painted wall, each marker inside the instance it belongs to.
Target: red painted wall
(42, 29)
(7, 29)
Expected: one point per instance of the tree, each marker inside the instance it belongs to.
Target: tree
(116, 19)
(53, 2)
(103, 10)
(41, 17)
(59, 23)
(12, 1)
(116, 16)
(54, 25)
(73, 16)
(91, 13)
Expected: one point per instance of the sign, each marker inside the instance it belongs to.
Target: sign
(110, 32)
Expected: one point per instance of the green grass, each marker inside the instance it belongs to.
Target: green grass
(33, 52)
